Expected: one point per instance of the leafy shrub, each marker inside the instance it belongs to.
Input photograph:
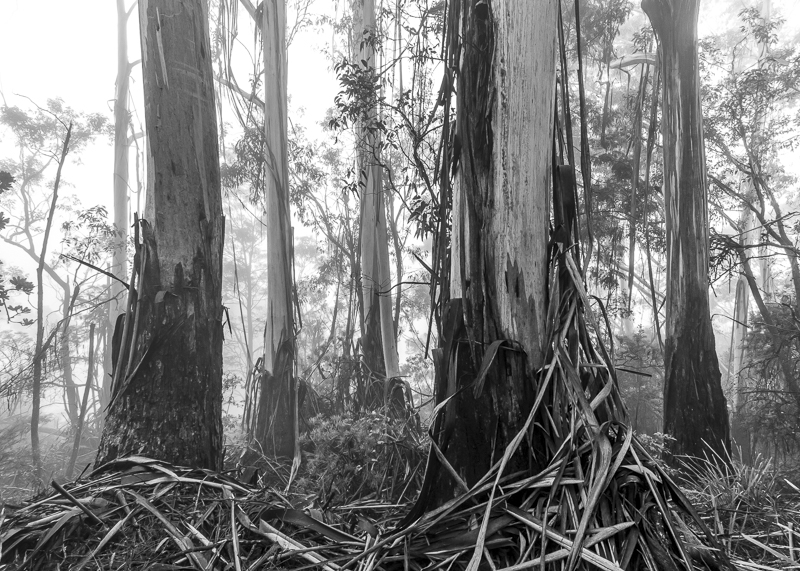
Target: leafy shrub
(349, 457)
(747, 506)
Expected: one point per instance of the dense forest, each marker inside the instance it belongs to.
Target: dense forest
(526, 294)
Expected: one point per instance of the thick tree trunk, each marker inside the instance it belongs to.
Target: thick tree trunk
(276, 429)
(167, 396)
(505, 90)
(695, 411)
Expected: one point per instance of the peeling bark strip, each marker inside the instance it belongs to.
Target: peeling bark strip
(695, 410)
(167, 400)
(505, 90)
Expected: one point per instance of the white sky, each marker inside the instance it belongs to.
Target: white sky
(53, 48)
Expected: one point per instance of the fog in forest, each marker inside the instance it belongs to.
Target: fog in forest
(365, 257)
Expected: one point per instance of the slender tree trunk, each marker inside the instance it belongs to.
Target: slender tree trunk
(76, 445)
(637, 154)
(651, 139)
(378, 333)
(398, 264)
(119, 264)
(499, 237)
(695, 411)
(167, 398)
(276, 429)
(741, 310)
(388, 336)
(40, 347)
(70, 390)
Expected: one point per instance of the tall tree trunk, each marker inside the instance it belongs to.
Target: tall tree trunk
(276, 429)
(378, 333)
(167, 397)
(499, 237)
(119, 264)
(695, 411)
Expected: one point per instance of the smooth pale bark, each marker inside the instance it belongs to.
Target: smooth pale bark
(276, 429)
(501, 209)
(388, 331)
(119, 263)
(167, 400)
(379, 342)
(695, 411)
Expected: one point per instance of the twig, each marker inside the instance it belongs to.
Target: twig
(102, 271)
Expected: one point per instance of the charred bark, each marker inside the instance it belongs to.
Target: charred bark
(695, 411)
(499, 257)
(167, 396)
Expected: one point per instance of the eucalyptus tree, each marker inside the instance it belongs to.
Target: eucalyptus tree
(274, 425)
(378, 333)
(695, 410)
(277, 428)
(500, 213)
(119, 265)
(167, 392)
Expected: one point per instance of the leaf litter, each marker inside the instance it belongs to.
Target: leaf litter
(601, 502)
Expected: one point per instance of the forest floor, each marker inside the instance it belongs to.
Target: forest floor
(139, 513)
